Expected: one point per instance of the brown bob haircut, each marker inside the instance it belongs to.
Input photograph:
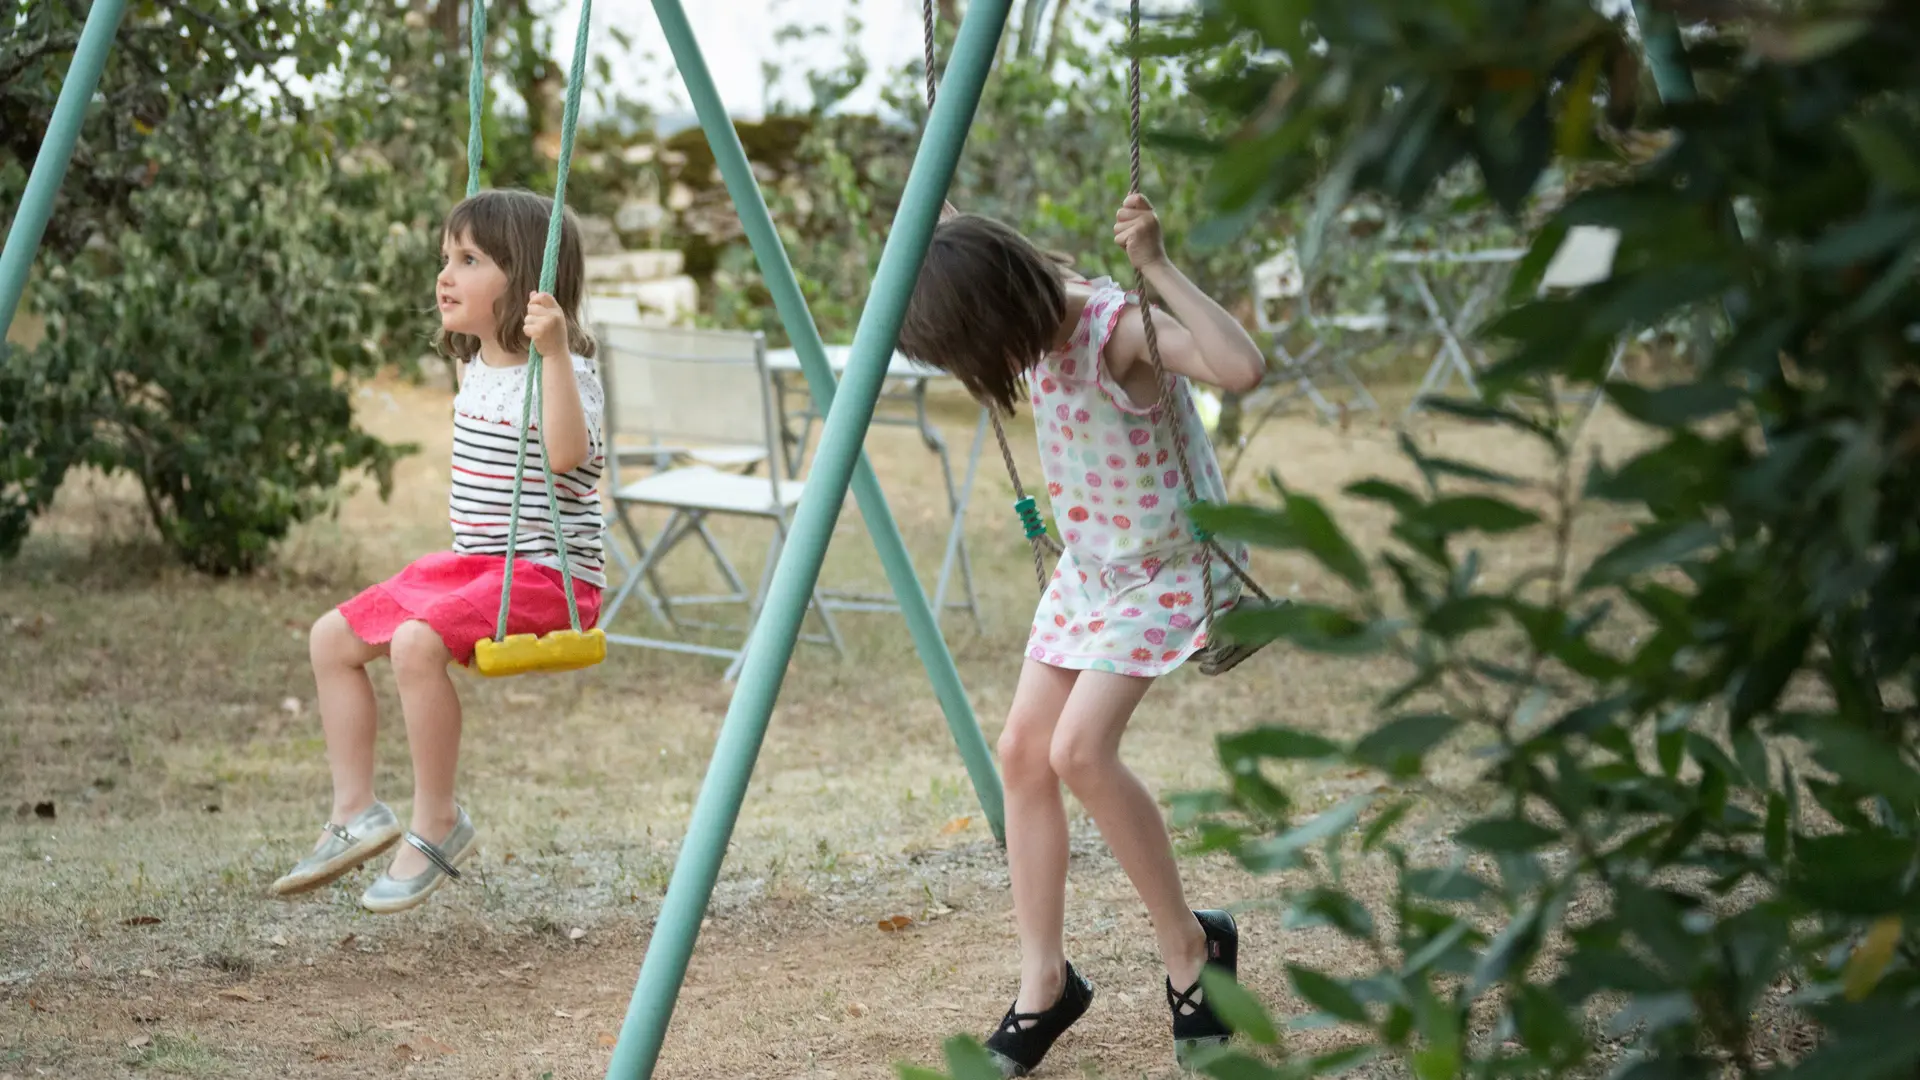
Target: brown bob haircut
(511, 227)
(988, 305)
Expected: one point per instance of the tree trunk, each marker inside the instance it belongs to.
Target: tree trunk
(445, 17)
(1055, 36)
(1030, 14)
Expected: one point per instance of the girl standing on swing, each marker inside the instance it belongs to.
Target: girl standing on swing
(1125, 605)
(432, 613)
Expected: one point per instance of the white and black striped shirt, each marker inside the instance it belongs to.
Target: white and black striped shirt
(486, 434)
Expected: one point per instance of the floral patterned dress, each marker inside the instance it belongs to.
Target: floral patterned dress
(1127, 595)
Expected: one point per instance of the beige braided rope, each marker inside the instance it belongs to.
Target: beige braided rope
(1044, 546)
(1211, 547)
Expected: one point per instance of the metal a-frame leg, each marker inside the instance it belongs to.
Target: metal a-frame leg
(1451, 357)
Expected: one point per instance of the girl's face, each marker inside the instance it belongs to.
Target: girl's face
(468, 289)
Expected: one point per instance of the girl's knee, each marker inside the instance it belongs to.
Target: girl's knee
(1078, 757)
(417, 650)
(332, 642)
(1023, 749)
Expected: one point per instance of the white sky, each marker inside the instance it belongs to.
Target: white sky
(737, 36)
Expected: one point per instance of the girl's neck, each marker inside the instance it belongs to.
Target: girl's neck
(494, 354)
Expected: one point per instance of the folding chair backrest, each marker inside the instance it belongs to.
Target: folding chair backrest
(1585, 257)
(691, 389)
(1277, 286)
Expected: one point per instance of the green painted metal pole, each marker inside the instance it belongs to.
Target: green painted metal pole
(56, 150)
(1666, 53)
(922, 621)
(771, 646)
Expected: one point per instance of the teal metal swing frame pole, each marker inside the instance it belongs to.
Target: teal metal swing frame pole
(56, 150)
(771, 646)
(922, 621)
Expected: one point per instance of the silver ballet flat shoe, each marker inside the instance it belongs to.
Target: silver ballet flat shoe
(371, 832)
(388, 894)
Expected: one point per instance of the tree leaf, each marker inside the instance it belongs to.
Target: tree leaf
(1887, 154)
(1864, 239)
(1383, 823)
(1482, 513)
(1260, 526)
(1398, 746)
(1466, 470)
(1275, 742)
(1322, 538)
(1238, 1007)
(1471, 409)
(1863, 760)
(1326, 906)
(1505, 835)
(1653, 546)
(968, 1060)
(1674, 406)
(1454, 884)
(1385, 491)
(1281, 851)
(1315, 627)
(1438, 947)
(1326, 994)
(1508, 950)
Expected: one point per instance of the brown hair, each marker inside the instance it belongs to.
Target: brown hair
(988, 305)
(510, 226)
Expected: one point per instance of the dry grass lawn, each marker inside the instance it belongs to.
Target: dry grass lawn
(162, 762)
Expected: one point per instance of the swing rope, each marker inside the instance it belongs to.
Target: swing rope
(1044, 546)
(1209, 547)
(549, 271)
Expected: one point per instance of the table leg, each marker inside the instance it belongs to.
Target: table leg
(1452, 355)
(956, 533)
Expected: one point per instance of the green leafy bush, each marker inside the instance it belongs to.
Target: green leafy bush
(223, 264)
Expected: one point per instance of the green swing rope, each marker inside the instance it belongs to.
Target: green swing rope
(549, 270)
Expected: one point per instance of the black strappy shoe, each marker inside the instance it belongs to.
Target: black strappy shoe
(1195, 1025)
(1022, 1039)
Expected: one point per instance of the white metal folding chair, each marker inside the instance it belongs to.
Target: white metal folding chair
(681, 396)
(634, 442)
(1585, 258)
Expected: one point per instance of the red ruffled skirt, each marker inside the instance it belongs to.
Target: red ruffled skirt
(459, 596)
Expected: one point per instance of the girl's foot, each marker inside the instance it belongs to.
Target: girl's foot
(1024, 1038)
(1195, 1026)
(389, 894)
(408, 860)
(342, 848)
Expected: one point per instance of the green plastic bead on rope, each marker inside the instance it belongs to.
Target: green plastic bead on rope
(571, 649)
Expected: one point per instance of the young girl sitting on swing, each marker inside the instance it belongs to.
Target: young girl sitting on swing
(432, 613)
(1123, 606)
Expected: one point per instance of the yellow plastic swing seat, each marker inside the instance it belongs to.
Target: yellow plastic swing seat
(522, 654)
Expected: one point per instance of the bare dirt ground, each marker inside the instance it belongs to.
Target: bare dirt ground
(161, 763)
